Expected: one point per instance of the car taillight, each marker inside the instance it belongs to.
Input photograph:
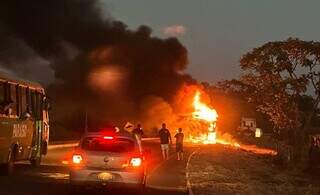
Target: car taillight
(77, 159)
(136, 162)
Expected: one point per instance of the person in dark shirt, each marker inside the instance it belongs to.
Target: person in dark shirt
(138, 132)
(165, 139)
(179, 144)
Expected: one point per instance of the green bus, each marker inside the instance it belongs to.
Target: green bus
(24, 122)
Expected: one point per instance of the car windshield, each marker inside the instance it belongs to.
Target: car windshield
(119, 145)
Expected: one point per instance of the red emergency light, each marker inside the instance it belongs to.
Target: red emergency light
(108, 137)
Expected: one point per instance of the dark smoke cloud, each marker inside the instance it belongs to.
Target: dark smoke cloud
(99, 64)
(17, 58)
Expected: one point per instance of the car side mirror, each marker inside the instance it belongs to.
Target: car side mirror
(47, 106)
(46, 103)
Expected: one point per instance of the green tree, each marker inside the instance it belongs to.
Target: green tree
(276, 77)
(239, 94)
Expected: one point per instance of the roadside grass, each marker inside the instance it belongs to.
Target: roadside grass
(219, 169)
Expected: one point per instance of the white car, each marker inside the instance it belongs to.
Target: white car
(108, 160)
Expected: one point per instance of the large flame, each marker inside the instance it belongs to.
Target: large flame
(202, 111)
(210, 115)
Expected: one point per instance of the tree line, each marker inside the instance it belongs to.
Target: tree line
(280, 82)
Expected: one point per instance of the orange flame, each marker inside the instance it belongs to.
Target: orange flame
(202, 111)
(210, 115)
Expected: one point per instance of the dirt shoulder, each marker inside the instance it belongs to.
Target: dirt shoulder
(224, 170)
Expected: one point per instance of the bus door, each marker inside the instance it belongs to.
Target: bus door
(45, 121)
(36, 106)
(37, 139)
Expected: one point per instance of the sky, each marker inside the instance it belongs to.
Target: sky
(218, 32)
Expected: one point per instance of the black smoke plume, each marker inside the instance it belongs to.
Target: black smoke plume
(99, 65)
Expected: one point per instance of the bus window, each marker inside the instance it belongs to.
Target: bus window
(32, 103)
(23, 101)
(13, 99)
(2, 92)
(39, 98)
(18, 104)
(2, 97)
(28, 100)
(6, 103)
(35, 105)
(6, 92)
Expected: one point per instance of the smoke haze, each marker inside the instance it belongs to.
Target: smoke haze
(90, 63)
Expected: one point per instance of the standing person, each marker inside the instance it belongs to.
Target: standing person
(165, 139)
(179, 144)
(138, 132)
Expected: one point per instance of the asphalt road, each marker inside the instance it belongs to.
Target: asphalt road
(51, 178)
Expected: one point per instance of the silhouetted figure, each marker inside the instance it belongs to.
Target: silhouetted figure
(138, 132)
(179, 144)
(165, 139)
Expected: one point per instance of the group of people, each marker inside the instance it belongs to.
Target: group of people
(165, 140)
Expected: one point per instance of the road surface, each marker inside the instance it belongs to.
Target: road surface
(51, 178)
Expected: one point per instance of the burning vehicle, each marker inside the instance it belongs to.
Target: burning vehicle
(209, 116)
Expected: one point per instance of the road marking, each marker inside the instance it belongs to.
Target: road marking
(187, 172)
(58, 176)
(50, 147)
(180, 189)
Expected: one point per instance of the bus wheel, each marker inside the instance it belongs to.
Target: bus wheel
(36, 162)
(8, 168)
(11, 162)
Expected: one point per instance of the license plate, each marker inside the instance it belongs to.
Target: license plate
(104, 176)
